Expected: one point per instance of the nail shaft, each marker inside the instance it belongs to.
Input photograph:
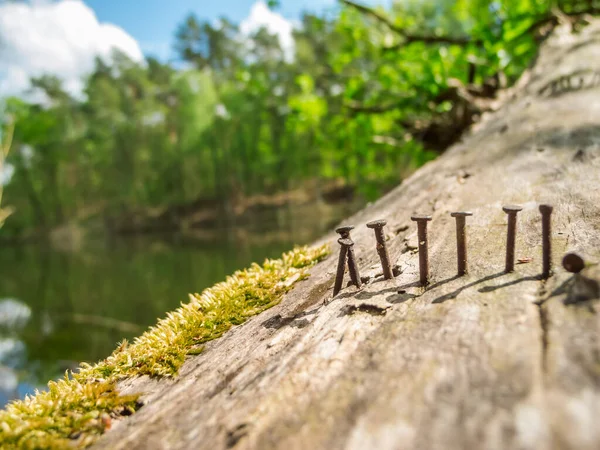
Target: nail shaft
(353, 268)
(382, 250)
(423, 247)
(546, 211)
(512, 211)
(423, 253)
(461, 245)
(341, 268)
(510, 243)
(461, 241)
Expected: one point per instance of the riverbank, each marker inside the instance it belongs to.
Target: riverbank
(75, 410)
(54, 313)
(199, 219)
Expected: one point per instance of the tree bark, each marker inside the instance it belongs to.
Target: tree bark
(489, 360)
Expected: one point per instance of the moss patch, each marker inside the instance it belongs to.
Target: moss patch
(76, 410)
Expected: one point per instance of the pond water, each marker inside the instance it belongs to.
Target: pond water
(58, 308)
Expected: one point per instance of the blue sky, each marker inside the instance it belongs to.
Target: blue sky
(63, 37)
(153, 24)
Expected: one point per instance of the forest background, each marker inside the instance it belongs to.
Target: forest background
(366, 96)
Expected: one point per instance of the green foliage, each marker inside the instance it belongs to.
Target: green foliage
(6, 133)
(72, 410)
(369, 95)
(76, 410)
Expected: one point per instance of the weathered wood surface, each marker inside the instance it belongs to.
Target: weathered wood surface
(490, 360)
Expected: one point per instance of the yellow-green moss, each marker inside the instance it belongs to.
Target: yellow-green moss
(76, 410)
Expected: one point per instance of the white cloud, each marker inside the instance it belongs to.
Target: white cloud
(262, 17)
(59, 38)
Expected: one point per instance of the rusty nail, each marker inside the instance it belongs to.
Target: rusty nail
(346, 249)
(341, 268)
(461, 240)
(573, 263)
(384, 256)
(344, 233)
(546, 211)
(423, 251)
(512, 211)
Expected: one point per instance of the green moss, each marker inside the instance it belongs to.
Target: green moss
(76, 410)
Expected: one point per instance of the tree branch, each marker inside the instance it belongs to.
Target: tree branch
(409, 38)
(357, 107)
(551, 19)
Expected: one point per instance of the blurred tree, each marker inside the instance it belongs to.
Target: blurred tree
(6, 133)
(365, 96)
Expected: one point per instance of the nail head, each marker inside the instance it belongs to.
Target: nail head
(344, 229)
(546, 209)
(461, 214)
(573, 263)
(512, 208)
(346, 242)
(377, 223)
(420, 218)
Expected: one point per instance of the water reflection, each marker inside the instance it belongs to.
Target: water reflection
(58, 308)
(14, 316)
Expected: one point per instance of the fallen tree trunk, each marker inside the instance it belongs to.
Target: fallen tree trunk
(489, 360)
